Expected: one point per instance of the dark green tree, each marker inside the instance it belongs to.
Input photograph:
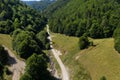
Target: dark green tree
(83, 42)
(36, 69)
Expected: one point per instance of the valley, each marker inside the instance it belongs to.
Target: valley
(60, 40)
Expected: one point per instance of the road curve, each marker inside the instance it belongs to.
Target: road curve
(65, 75)
(17, 66)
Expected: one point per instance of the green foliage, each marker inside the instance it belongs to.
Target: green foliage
(36, 69)
(83, 42)
(117, 38)
(14, 14)
(52, 8)
(24, 43)
(96, 18)
(26, 76)
(42, 39)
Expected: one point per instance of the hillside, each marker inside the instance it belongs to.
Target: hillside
(54, 7)
(15, 14)
(96, 61)
(96, 18)
(25, 38)
(40, 5)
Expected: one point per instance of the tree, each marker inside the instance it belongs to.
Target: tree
(42, 40)
(96, 31)
(25, 44)
(16, 23)
(36, 69)
(83, 42)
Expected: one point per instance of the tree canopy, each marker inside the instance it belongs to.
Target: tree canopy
(36, 69)
(96, 18)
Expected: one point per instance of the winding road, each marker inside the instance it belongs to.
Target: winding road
(65, 75)
(16, 66)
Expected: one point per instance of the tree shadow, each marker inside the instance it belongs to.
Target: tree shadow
(11, 60)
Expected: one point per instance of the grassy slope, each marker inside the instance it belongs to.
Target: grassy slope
(6, 40)
(100, 60)
(68, 46)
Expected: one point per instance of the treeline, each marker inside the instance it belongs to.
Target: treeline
(26, 27)
(96, 18)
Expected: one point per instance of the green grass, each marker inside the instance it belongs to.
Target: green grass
(69, 47)
(6, 40)
(100, 60)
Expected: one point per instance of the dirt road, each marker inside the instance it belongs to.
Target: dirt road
(16, 66)
(56, 53)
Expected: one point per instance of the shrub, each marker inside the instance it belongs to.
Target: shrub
(83, 42)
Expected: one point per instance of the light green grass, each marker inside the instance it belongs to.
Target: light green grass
(100, 60)
(6, 40)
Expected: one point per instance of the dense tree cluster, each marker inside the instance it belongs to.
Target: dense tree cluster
(26, 26)
(96, 18)
(14, 14)
(36, 69)
(43, 40)
(26, 43)
(23, 23)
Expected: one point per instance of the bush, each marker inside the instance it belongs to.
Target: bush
(83, 42)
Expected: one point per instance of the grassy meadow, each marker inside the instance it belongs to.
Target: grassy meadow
(99, 60)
